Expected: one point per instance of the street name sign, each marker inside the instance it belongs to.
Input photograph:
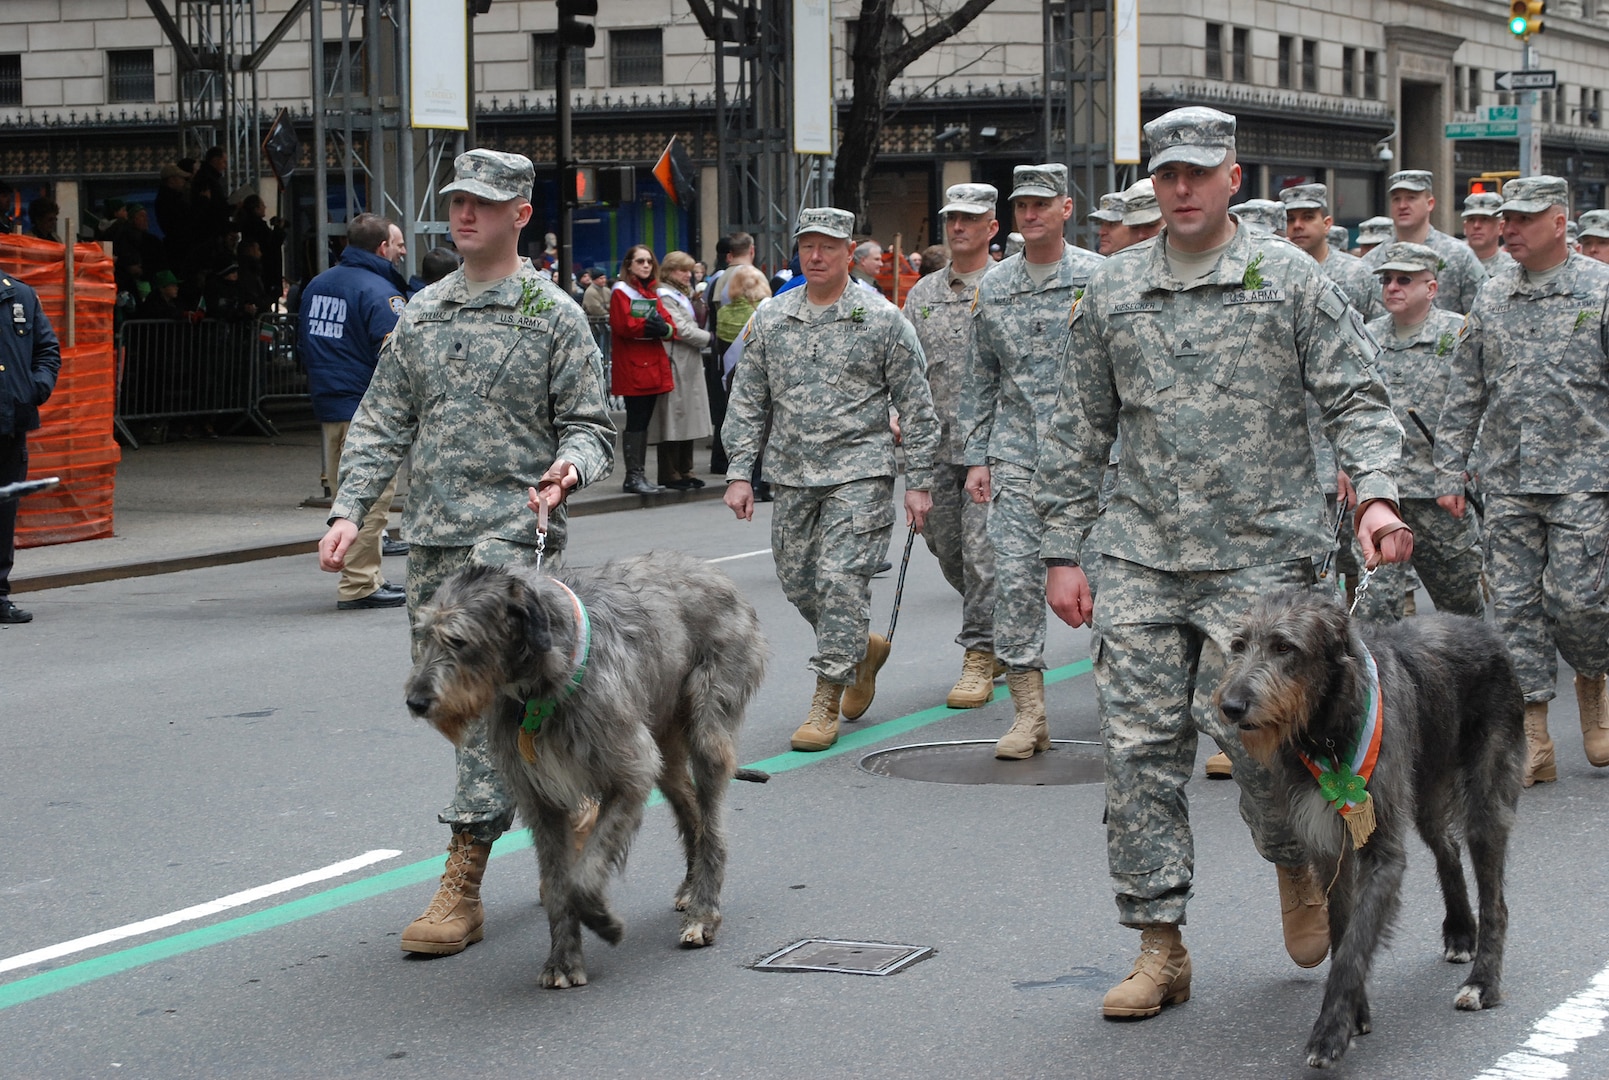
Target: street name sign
(1478, 130)
(1526, 80)
(1498, 114)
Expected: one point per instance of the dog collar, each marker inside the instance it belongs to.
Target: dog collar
(1344, 779)
(539, 709)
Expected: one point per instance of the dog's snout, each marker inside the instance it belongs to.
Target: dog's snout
(418, 704)
(1234, 708)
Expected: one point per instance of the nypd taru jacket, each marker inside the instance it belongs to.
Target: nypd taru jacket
(346, 313)
(29, 357)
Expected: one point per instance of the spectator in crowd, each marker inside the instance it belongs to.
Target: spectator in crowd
(346, 314)
(227, 297)
(736, 250)
(867, 265)
(43, 215)
(437, 264)
(934, 259)
(29, 362)
(595, 301)
(139, 239)
(684, 413)
(639, 369)
(698, 277)
(746, 291)
(163, 300)
(209, 197)
(255, 226)
(914, 259)
(173, 214)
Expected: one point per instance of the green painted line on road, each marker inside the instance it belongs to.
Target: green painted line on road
(86, 971)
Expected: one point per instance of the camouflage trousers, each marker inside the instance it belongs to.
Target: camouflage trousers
(1162, 639)
(827, 542)
(957, 533)
(481, 803)
(1545, 560)
(1447, 556)
(1014, 531)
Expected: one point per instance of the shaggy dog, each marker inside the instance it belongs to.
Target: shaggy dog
(599, 684)
(1298, 685)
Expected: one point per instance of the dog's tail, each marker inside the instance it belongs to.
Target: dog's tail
(753, 776)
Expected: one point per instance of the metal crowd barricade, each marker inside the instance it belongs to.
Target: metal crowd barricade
(279, 377)
(599, 324)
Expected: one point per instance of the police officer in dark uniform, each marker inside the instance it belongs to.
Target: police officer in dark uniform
(29, 361)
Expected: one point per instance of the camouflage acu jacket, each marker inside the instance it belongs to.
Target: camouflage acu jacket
(1415, 371)
(1456, 281)
(1207, 384)
(487, 392)
(941, 311)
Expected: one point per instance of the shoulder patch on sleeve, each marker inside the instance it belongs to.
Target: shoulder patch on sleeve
(397, 304)
(1332, 301)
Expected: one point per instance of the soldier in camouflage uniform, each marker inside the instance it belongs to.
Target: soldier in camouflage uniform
(940, 308)
(1417, 342)
(1529, 392)
(1108, 217)
(821, 364)
(494, 381)
(1262, 215)
(1593, 235)
(1411, 204)
(1206, 341)
(1340, 239)
(1021, 318)
(1307, 225)
(1483, 227)
(1372, 232)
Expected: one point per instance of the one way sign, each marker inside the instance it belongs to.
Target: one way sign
(1526, 80)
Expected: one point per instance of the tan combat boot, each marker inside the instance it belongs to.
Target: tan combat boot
(1592, 695)
(820, 729)
(858, 698)
(976, 685)
(1305, 912)
(1030, 732)
(1161, 976)
(1540, 767)
(454, 918)
(1219, 767)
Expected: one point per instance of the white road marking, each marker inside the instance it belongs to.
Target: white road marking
(1558, 1033)
(745, 555)
(199, 911)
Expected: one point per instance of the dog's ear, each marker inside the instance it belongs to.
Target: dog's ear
(529, 618)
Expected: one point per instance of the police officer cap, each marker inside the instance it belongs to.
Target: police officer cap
(1139, 204)
(1375, 230)
(1265, 215)
(1410, 180)
(1483, 204)
(492, 175)
(1595, 223)
(827, 220)
(1038, 181)
(1195, 135)
(1534, 194)
(1401, 255)
(1306, 197)
(970, 199)
(1111, 208)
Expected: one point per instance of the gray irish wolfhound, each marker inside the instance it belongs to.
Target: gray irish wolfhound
(599, 684)
(1297, 684)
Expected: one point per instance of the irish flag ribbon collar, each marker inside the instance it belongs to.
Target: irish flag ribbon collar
(1344, 778)
(539, 709)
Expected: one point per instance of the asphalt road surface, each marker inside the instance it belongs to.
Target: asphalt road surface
(221, 817)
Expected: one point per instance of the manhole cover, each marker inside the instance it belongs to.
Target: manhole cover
(850, 957)
(973, 762)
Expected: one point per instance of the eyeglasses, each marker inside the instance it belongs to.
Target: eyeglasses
(643, 259)
(1402, 281)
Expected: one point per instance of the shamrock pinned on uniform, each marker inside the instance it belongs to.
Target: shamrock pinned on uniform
(1582, 317)
(1341, 786)
(1253, 278)
(1444, 344)
(926, 311)
(858, 315)
(532, 300)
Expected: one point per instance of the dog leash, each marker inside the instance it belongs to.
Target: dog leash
(541, 529)
(1374, 564)
(899, 587)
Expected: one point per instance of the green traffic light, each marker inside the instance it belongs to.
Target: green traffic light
(1519, 25)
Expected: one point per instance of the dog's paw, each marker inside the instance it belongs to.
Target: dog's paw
(1458, 946)
(1472, 997)
(1326, 1048)
(563, 977)
(699, 932)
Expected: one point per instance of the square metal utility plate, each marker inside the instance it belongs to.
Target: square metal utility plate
(849, 957)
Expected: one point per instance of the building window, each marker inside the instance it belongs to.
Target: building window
(1595, 117)
(1215, 51)
(1284, 62)
(1371, 75)
(545, 76)
(1474, 89)
(636, 58)
(131, 75)
(10, 78)
(1310, 66)
(1242, 54)
(1460, 88)
(1349, 72)
(342, 58)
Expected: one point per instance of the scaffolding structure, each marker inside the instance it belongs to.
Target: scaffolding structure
(1078, 104)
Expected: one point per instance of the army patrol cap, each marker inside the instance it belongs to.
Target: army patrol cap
(970, 199)
(1339, 237)
(1306, 197)
(492, 175)
(1195, 135)
(1534, 194)
(1595, 223)
(1483, 204)
(1264, 214)
(1410, 180)
(827, 220)
(1111, 208)
(1038, 181)
(1376, 230)
(1139, 204)
(1572, 232)
(1401, 255)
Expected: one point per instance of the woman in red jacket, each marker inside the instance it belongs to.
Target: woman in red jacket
(640, 367)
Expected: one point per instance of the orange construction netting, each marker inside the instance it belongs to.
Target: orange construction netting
(74, 440)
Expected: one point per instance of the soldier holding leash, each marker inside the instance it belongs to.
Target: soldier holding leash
(1206, 341)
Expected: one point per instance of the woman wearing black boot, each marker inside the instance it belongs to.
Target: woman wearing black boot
(640, 369)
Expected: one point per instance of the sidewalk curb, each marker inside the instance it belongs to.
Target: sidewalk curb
(582, 507)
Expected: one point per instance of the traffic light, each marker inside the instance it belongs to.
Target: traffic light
(581, 184)
(584, 35)
(617, 184)
(1491, 182)
(1525, 17)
